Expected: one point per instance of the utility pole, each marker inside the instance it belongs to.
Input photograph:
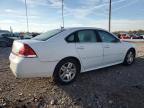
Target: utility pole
(110, 16)
(62, 13)
(26, 16)
(11, 30)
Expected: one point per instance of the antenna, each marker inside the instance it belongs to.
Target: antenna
(62, 13)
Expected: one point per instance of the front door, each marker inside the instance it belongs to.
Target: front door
(113, 48)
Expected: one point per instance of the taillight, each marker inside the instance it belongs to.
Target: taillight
(26, 51)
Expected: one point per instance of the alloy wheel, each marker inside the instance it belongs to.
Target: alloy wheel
(67, 72)
(130, 57)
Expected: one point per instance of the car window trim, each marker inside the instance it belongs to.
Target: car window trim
(98, 36)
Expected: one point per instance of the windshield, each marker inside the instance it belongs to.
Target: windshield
(47, 35)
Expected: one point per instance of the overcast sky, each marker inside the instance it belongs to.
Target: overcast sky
(46, 14)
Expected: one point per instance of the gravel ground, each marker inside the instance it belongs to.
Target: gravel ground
(114, 87)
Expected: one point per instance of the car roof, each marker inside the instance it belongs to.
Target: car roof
(81, 28)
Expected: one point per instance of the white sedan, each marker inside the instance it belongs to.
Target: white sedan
(64, 53)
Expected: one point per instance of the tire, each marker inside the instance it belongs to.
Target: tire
(3, 44)
(129, 58)
(66, 71)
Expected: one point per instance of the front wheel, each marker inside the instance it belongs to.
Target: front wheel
(130, 58)
(66, 71)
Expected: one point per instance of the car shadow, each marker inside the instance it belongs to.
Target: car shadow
(111, 87)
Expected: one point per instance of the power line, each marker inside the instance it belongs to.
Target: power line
(26, 16)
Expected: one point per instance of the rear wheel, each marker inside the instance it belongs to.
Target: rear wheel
(66, 71)
(130, 57)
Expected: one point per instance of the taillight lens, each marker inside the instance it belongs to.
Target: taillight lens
(26, 51)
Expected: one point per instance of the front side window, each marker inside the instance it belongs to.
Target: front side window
(86, 36)
(107, 37)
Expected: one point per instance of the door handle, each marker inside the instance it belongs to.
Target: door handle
(107, 47)
(81, 48)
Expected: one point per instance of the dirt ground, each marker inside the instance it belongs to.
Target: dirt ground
(114, 87)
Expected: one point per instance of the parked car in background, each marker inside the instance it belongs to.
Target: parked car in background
(124, 36)
(34, 34)
(27, 36)
(64, 53)
(136, 36)
(6, 40)
(22, 35)
(142, 35)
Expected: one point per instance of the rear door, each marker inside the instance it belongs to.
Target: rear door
(113, 48)
(89, 49)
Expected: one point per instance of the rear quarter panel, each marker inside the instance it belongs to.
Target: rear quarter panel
(55, 48)
(54, 51)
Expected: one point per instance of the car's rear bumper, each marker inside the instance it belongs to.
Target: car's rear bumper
(30, 67)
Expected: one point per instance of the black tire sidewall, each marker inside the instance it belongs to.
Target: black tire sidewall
(56, 76)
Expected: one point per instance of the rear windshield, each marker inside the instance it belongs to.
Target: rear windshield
(47, 35)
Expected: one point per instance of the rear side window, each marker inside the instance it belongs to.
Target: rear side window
(70, 38)
(45, 36)
(86, 36)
